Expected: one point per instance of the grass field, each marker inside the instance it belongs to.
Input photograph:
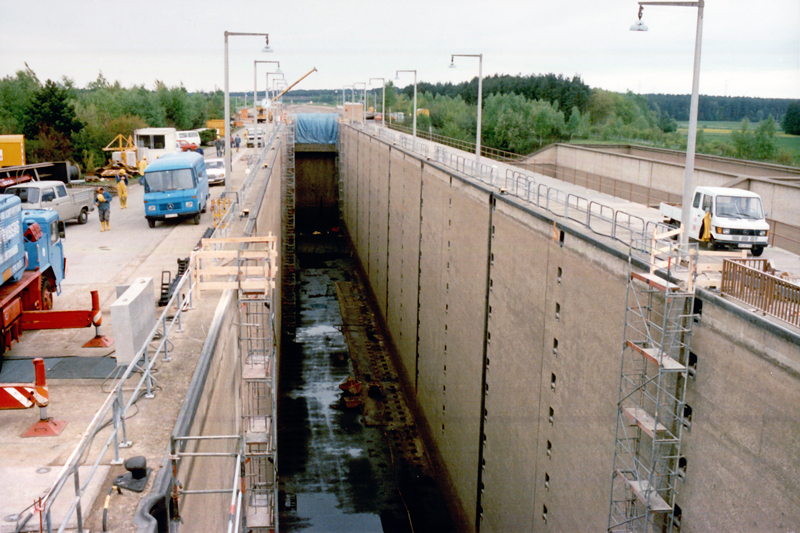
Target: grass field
(722, 131)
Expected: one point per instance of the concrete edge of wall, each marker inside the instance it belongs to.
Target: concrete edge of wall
(152, 507)
(774, 328)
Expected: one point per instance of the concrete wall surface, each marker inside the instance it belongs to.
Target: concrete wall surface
(664, 170)
(218, 413)
(508, 324)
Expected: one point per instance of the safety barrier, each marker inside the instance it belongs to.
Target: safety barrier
(750, 281)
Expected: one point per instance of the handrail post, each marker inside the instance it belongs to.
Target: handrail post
(166, 358)
(179, 312)
(147, 377)
(78, 495)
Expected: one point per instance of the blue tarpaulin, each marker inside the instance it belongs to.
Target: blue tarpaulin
(317, 128)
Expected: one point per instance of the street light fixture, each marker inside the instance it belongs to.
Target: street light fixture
(397, 77)
(692, 140)
(480, 98)
(383, 102)
(255, 89)
(228, 103)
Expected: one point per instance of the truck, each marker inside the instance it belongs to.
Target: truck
(724, 218)
(69, 204)
(175, 187)
(255, 137)
(32, 264)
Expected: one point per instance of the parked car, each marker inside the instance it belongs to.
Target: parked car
(215, 168)
(69, 204)
(186, 146)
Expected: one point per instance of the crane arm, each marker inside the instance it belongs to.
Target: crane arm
(295, 83)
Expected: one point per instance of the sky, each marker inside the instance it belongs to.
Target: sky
(749, 48)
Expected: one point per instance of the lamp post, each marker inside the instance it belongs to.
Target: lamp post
(255, 89)
(277, 84)
(364, 103)
(397, 77)
(692, 140)
(277, 73)
(383, 102)
(480, 98)
(228, 103)
(344, 97)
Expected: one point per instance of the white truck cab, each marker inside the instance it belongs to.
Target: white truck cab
(737, 219)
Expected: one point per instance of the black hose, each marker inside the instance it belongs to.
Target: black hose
(105, 506)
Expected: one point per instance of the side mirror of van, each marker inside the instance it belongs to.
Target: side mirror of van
(62, 230)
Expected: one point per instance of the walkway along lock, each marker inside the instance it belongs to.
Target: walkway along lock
(26, 395)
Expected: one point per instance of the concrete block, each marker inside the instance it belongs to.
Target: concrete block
(133, 315)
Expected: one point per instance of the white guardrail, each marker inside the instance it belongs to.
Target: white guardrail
(599, 218)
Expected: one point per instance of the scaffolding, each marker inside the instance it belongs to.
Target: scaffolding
(257, 349)
(651, 411)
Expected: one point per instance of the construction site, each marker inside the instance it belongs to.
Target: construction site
(372, 331)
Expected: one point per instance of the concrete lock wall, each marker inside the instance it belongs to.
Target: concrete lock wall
(508, 325)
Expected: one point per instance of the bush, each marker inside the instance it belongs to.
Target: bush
(208, 136)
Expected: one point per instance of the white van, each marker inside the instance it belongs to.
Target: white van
(191, 136)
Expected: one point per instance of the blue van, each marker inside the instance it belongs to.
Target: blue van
(175, 186)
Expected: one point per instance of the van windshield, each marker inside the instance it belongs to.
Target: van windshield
(739, 207)
(27, 196)
(169, 180)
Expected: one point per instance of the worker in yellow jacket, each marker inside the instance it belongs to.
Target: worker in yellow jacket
(122, 188)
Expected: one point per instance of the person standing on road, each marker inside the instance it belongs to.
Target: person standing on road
(103, 203)
(122, 188)
(238, 140)
(218, 145)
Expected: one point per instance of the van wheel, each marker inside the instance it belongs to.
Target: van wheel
(151, 222)
(83, 217)
(196, 219)
(204, 207)
(757, 251)
(47, 294)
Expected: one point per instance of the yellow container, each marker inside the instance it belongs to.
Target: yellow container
(12, 150)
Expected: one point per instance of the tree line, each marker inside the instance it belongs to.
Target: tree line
(720, 108)
(520, 114)
(63, 122)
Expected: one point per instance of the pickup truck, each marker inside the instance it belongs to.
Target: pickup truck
(737, 219)
(54, 195)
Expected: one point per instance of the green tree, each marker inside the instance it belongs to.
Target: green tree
(791, 120)
(577, 125)
(15, 94)
(49, 124)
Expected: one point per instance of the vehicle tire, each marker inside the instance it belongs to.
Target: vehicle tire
(204, 208)
(47, 294)
(757, 251)
(196, 219)
(151, 222)
(83, 217)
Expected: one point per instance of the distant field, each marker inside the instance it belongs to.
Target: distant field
(722, 131)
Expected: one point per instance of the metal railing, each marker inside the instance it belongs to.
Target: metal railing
(115, 408)
(467, 146)
(599, 218)
(750, 281)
